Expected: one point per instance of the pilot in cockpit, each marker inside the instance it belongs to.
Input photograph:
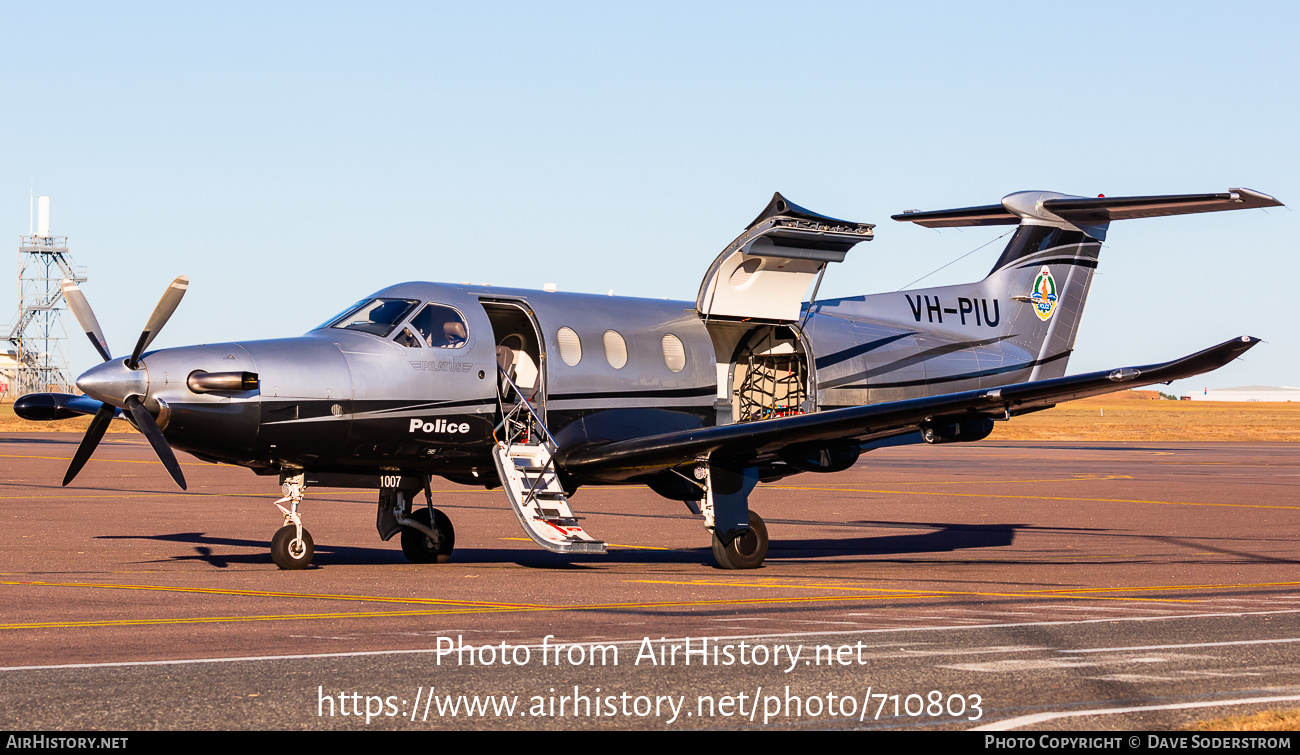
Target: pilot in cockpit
(441, 327)
(453, 334)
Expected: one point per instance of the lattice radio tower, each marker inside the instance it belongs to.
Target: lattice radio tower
(40, 333)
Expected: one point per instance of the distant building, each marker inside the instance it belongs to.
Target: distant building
(8, 367)
(1247, 393)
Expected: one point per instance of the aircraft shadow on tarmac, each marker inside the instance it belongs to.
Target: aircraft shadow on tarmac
(941, 538)
(1200, 546)
(204, 545)
(344, 555)
(1108, 446)
(71, 440)
(222, 552)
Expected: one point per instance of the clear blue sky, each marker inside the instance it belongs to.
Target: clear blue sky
(292, 157)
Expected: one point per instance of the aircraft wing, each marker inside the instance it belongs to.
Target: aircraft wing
(740, 445)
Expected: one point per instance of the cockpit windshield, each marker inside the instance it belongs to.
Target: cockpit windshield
(377, 316)
(352, 308)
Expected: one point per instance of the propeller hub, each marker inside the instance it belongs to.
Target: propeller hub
(112, 382)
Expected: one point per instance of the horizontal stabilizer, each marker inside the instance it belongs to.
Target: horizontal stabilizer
(990, 214)
(1048, 206)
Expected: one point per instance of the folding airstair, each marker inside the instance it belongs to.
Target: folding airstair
(524, 454)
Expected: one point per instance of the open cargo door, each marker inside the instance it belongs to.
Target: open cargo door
(764, 274)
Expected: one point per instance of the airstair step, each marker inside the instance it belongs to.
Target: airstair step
(538, 500)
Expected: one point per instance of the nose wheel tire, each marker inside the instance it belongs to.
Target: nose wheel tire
(419, 548)
(746, 551)
(288, 552)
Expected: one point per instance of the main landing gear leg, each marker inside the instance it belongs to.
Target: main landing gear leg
(291, 546)
(739, 535)
(427, 535)
(746, 550)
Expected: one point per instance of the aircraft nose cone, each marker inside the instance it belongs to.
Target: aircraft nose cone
(111, 382)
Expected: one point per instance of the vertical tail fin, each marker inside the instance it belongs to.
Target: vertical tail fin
(1044, 274)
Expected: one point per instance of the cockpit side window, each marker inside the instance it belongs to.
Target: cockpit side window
(441, 327)
(378, 316)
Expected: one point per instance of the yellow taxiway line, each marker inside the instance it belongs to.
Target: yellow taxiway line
(277, 594)
(1083, 593)
(448, 607)
(431, 612)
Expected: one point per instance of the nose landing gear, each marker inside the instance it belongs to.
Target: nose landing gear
(291, 546)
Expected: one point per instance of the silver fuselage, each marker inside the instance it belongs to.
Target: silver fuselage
(341, 401)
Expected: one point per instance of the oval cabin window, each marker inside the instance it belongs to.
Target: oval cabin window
(674, 353)
(615, 349)
(570, 346)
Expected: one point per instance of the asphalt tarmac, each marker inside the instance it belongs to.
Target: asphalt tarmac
(1021, 586)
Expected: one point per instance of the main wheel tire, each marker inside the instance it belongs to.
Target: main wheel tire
(288, 552)
(746, 551)
(416, 545)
